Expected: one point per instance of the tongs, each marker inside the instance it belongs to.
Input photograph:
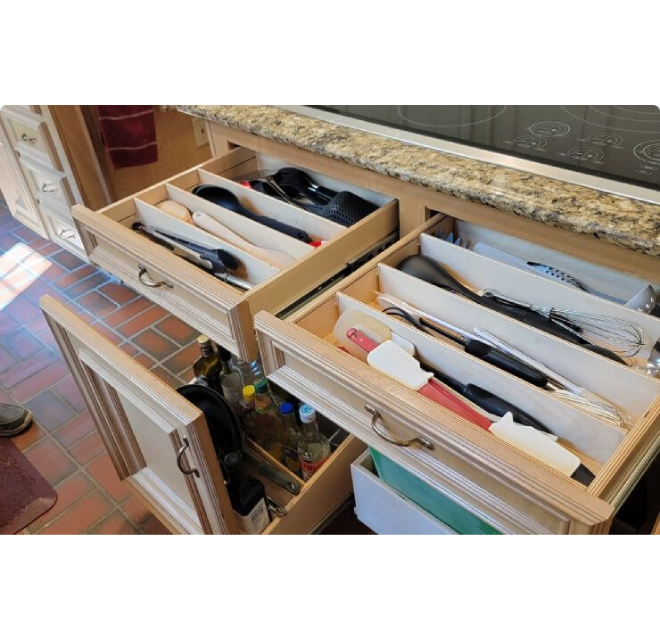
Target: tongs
(216, 261)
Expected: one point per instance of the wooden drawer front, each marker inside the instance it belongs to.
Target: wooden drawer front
(64, 233)
(384, 510)
(505, 488)
(152, 433)
(46, 184)
(30, 136)
(222, 311)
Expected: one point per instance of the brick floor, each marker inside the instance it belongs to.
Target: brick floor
(63, 442)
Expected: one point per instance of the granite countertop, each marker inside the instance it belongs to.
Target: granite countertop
(618, 220)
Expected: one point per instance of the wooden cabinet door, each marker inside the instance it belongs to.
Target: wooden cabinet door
(159, 442)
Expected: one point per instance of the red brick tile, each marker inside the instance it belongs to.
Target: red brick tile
(137, 355)
(7, 360)
(37, 290)
(28, 388)
(107, 333)
(38, 326)
(153, 527)
(48, 249)
(25, 234)
(75, 430)
(118, 293)
(127, 312)
(49, 411)
(23, 310)
(53, 272)
(142, 321)
(177, 330)
(7, 324)
(70, 278)
(166, 376)
(30, 436)
(115, 524)
(23, 370)
(183, 359)
(155, 345)
(67, 260)
(96, 304)
(68, 493)
(102, 470)
(22, 344)
(50, 461)
(85, 286)
(67, 389)
(87, 449)
(137, 512)
(81, 516)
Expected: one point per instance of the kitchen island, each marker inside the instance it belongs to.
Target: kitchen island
(619, 221)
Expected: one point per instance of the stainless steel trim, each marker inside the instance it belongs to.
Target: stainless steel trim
(403, 443)
(179, 459)
(491, 157)
(143, 274)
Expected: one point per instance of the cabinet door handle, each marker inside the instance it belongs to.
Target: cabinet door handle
(67, 234)
(179, 459)
(145, 278)
(404, 443)
(28, 139)
(50, 187)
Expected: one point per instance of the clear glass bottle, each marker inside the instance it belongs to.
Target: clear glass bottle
(244, 369)
(313, 446)
(290, 437)
(269, 426)
(207, 368)
(232, 389)
(248, 414)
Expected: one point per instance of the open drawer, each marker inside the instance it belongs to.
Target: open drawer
(222, 311)
(506, 488)
(161, 447)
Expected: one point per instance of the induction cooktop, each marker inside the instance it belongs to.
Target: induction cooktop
(610, 148)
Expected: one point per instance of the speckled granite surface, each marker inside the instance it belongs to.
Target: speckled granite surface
(618, 220)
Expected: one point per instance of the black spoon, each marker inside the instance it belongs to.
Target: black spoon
(432, 272)
(299, 182)
(226, 199)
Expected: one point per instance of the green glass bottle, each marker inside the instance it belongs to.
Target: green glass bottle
(207, 367)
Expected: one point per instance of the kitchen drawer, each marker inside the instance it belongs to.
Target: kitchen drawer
(29, 135)
(63, 233)
(46, 183)
(504, 487)
(211, 306)
(161, 447)
(384, 510)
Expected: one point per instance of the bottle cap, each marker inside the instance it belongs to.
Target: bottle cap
(307, 414)
(261, 386)
(202, 340)
(248, 393)
(286, 408)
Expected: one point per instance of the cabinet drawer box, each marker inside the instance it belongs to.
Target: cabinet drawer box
(162, 449)
(213, 307)
(63, 233)
(45, 183)
(29, 135)
(504, 487)
(384, 510)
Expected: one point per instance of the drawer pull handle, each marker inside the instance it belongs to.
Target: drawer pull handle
(375, 416)
(179, 459)
(67, 234)
(50, 187)
(145, 278)
(28, 139)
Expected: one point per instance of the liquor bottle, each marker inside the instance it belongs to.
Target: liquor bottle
(313, 446)
(207, 368)
(248, 412)
(248, 499)
(269, 426)
(290, 438)
(225, 361)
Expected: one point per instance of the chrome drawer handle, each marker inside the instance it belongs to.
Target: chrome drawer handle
(67, 234)
(145, 278)
(179, 459)
(50, 187)
(28, 139)
(375, 416)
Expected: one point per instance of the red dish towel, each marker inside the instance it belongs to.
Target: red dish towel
(129, 133)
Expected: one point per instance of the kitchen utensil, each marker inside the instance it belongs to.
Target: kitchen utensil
(216, 261)
(274, 258)
(480, 350)
(621, 335)
(226, 199)
(653, 362)
(347, 209)
(645, 301)
(458, 241)
(174, 209)
(549, 272)
(278, 477)
(289, 178)
(268, 186)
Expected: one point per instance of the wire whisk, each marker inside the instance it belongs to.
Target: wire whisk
(623, 337)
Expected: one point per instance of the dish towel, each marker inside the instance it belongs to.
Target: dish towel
(129, 133)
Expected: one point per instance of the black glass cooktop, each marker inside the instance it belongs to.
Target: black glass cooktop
(620, 143)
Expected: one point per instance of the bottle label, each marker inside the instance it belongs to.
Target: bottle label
(308, 468)
(291, 460)
(256, 521)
